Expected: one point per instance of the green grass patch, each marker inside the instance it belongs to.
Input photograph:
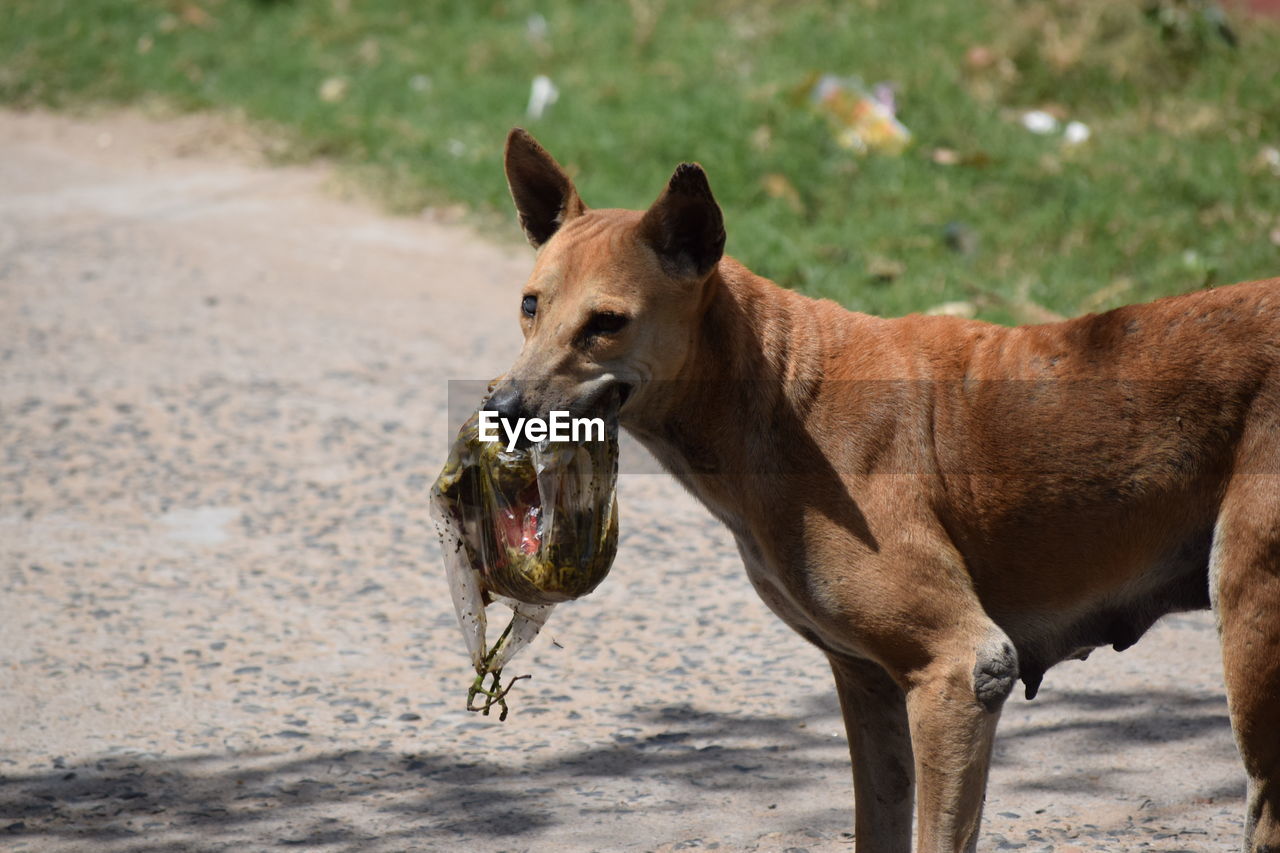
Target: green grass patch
(1172, 191)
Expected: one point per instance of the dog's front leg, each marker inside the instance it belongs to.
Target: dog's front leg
(953, 707)
(875, 719)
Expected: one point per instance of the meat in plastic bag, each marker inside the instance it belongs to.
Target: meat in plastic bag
(527, 528)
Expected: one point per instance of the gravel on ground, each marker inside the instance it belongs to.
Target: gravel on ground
(224, 625)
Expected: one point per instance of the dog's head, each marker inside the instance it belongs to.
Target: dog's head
(613, 302)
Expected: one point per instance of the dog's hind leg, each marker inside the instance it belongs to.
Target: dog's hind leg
(875, 719)
(1245, 578)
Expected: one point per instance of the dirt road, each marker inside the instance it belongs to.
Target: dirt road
(224, 624)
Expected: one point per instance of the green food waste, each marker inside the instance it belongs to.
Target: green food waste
(527, 528)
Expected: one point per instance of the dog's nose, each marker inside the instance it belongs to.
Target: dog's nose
(508, 403)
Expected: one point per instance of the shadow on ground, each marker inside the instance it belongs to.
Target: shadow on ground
(1111, 719)
(682, 758)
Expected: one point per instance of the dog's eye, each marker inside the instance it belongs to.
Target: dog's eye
(606, 323)
(529, 305)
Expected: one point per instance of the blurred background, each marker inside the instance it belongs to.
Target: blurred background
(1013, 159)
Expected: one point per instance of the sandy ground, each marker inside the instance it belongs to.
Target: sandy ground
(224, 624)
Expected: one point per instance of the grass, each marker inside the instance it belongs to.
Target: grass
(1173, 190)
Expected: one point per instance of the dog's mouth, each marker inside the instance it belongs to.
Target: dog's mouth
(623, 392)
(605, 401)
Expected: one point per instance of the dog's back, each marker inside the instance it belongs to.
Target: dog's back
(1080, 467)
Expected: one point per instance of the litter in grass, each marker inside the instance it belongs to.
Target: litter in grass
(1076, 133)
(542, 94)
(863, 122)
(334, 89)
(958, 308)
(1039, 122)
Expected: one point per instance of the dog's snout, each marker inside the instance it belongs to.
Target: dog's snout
(508, 402)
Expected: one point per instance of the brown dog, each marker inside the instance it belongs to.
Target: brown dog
(942, 506)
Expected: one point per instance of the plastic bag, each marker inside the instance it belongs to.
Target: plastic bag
(526, 528)
(862, 121)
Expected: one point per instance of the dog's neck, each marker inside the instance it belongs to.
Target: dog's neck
(756, 363)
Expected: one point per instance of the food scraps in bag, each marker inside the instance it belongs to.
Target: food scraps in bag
(528, 528)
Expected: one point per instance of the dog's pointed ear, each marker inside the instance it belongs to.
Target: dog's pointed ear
(685, 226)
(544, 195)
